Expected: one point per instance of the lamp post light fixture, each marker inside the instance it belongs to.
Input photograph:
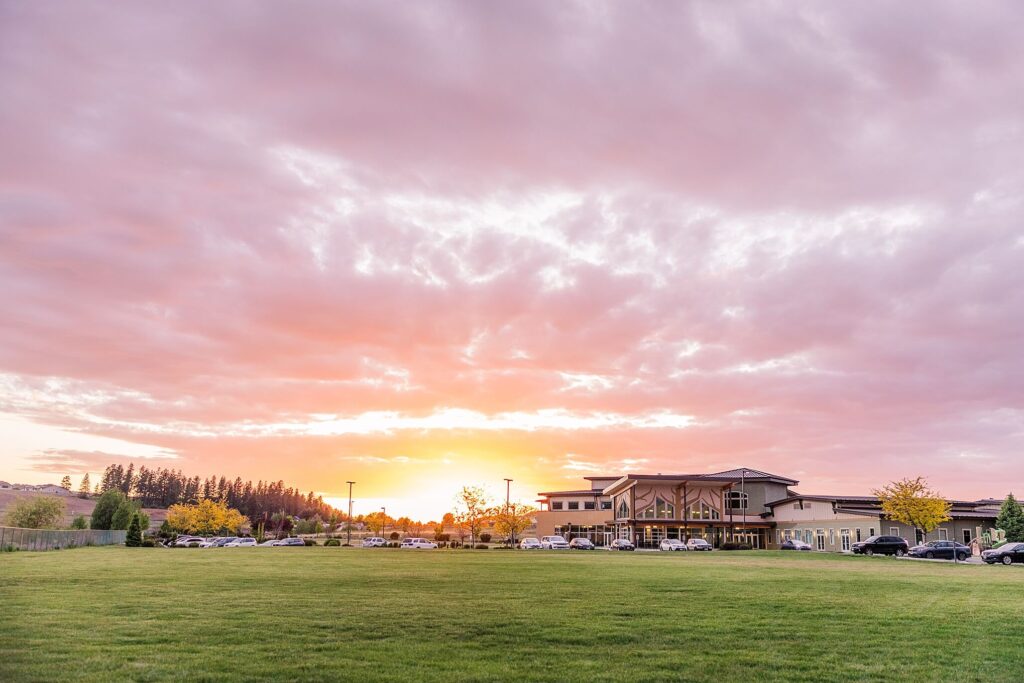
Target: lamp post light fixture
(348, 526)
(508, 489)
(383, 522)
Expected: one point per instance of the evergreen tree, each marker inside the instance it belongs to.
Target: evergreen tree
(65, 483)
(106, 506)
(1011, 519)
(83, 488)
(134, 537)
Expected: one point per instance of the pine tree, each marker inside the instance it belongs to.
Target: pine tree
(1011, 519)
(83, 488)
(65, 483)
(133, 539)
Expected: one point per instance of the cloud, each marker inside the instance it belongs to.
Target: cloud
(776, 236)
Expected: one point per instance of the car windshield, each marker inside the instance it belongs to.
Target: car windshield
(872, 539)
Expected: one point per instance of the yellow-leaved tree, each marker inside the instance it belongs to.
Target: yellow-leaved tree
(912, 502)
(206, 517)
(513, 519)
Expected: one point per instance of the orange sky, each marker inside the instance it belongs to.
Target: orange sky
(443, 247)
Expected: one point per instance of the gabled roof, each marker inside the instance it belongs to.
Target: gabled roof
(748, 474)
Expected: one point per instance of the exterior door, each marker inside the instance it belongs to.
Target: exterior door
(844, 535)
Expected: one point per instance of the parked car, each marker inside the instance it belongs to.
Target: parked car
(621, 544)
(882, 545)
(794, 544)
(241, 543)
(374, 542)
(1008, 553)
(418, 544)
(553, 543)
(269, 542)
(942, 550)
(183, 541)
(698, 544)
(530, 544)
(222, 541)
(581, 544)
(291, 541)
(670, 544)
(211, 542)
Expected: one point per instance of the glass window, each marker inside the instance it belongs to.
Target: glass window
(574, 505)
(588, 505)
(606, 505)
(623, 509)
(736, 500)
(556, 505)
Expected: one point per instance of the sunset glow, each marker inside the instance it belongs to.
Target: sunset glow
(442, 244)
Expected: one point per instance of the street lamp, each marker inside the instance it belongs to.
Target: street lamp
(383, 521)
(512, 531)
(348, 536)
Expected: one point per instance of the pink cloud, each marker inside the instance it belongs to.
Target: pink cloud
(798, 225)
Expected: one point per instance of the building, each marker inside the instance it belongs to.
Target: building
(741, 505)
(52, 488)
(4, 485)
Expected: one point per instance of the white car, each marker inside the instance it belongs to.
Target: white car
(553, 543)
(183, 541)
(530, 544)
(698, 544)
(670, 544)
(418, 543)
(374, 542)
(241, 543)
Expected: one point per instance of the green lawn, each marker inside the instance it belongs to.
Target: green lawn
(332, 613)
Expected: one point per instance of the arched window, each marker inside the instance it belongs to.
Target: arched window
(703, 511)
(623, 509)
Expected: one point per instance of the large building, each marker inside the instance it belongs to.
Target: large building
(741, 505)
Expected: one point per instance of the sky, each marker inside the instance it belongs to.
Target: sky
(427, 245)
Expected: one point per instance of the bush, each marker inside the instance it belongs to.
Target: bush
(394, 536)
(332, 542)
(37, 512)
(309, 541)
(106, 506)
(80, 522)
(482, 546)
(149, 543)
(736, 546)
(444, 538)
(485, 538)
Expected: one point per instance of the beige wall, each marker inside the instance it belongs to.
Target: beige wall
(868, 526)
(548, 520)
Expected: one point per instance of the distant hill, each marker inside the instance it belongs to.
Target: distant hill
(75, 506)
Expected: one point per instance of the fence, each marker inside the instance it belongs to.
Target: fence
(12, 538)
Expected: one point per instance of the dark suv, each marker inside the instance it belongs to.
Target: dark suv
(882, 545)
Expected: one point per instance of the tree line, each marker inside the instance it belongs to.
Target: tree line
(162, 488)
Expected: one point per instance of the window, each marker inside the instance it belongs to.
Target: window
(967, 536)
(943, 534)
(808, 537)
(703, 511)
(797, 506)
(871, 532)
(623, 509)
(894, 531)
(844, 537)
(606, 505)
(660, 509)
(778, 536)
(574, 505)
(858, 534)
(832, 537)
(588, 505)
(556, 505)
(736, 500)
(821, 539)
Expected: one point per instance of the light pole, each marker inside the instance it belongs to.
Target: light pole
(508, 517)
(348, 536)
(383, 522)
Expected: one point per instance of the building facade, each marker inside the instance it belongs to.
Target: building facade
(742, 505)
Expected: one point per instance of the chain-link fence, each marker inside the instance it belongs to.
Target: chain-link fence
(12, 538)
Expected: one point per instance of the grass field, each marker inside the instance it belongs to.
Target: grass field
(350, 614)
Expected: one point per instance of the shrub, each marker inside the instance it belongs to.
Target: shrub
(80, 522)
(332, 542)
(134, 537)
(482, 546)
(394, 536)
(444, 537)
(485, 538)
(736, 546)
(37, 512)
(309, 541)
(149, 543)
(106, 506)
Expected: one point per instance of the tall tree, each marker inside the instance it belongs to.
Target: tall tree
(83, 488)
(912, 502)
(108, 503)
(513, 519)
(133, 539)
(1011, 519)
(65, 483)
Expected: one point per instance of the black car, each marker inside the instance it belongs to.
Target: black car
(793, 544)
(882, 545)
(1008, 553)
(942, 550)
(621, 544)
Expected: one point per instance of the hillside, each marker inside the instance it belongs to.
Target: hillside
(75, 506)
